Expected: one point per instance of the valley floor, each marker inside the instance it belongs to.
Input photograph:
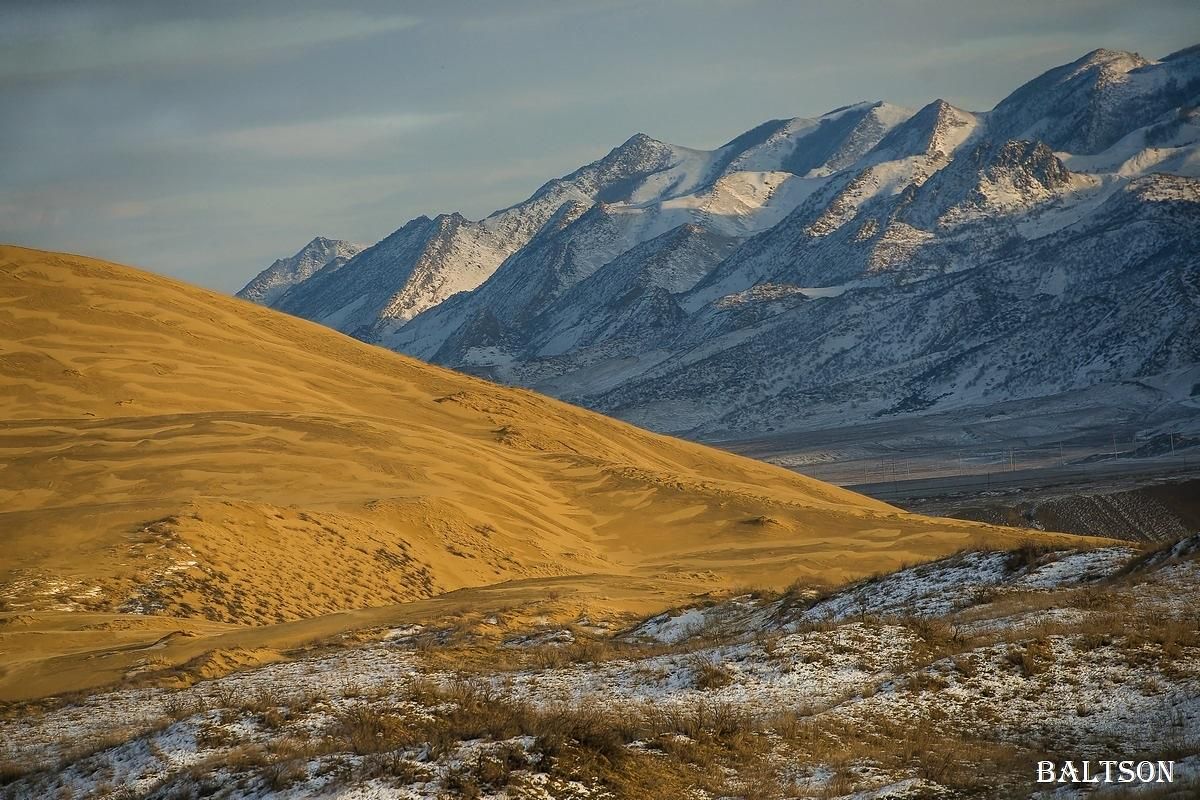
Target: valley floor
(1096, 471)
(950, 679)
(1081, 435)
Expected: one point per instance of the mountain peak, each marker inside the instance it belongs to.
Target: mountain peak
(637, 152)
(274, 281)
(1086, 106)
(1107, 64)
(938, 128)
(860, 105)
(453, 219)
(1103, 55)
(640, 139)
(842, 136)
(322, 243)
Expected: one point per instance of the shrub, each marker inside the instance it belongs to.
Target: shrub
(966, 666)
(924, 681)
(1026, 556)
(495, 768)
(11, 771)
(1032, 659)
(707, 674)
(282, 774)
(366, 730)
(178, 707)
(461, 783)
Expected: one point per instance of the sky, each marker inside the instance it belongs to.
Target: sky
(205, 140)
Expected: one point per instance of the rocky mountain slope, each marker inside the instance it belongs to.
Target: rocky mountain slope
(872, 262)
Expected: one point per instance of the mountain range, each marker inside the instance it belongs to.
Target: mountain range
(871, 262)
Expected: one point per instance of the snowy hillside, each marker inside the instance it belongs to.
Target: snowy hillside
(874, 261)
(945, 680)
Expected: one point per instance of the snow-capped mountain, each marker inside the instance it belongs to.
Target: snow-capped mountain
(1084, 107)
(274, 281)
(716, 190)
(741, 188)
(873, 261)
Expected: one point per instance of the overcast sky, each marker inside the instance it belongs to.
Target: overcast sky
(204, 140)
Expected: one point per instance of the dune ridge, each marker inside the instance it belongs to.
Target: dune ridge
(167, 450)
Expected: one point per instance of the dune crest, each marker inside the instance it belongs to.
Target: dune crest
(167, 450)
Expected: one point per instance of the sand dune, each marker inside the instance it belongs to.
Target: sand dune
(168, 450)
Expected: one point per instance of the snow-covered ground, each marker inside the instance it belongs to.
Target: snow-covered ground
(906, 685)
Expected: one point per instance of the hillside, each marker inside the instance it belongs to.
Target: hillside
(947, 680)
(169, 451)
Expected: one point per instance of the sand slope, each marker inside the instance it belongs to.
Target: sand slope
(167, 449)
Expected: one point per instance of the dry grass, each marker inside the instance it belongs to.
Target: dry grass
(366, 730)
(923, 747)
(588, 743)
(1028, 555)
(1032, 658)
(11, 771)
(709, 674)
(1152, 553)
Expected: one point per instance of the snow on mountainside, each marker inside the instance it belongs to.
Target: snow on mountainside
(274, 281)
(1115, 295)
(429, 260)
(1086, 106)
(873, 261)
(703, 188)
(738, 189)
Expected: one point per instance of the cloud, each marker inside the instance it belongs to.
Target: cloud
(66, 44)
(516, 15)
(326, 138)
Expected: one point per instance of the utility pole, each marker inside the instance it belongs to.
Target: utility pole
(1011, 460)
(1114, 447)
(1061, 461)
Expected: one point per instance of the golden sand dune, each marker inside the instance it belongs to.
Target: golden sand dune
(168, 450)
